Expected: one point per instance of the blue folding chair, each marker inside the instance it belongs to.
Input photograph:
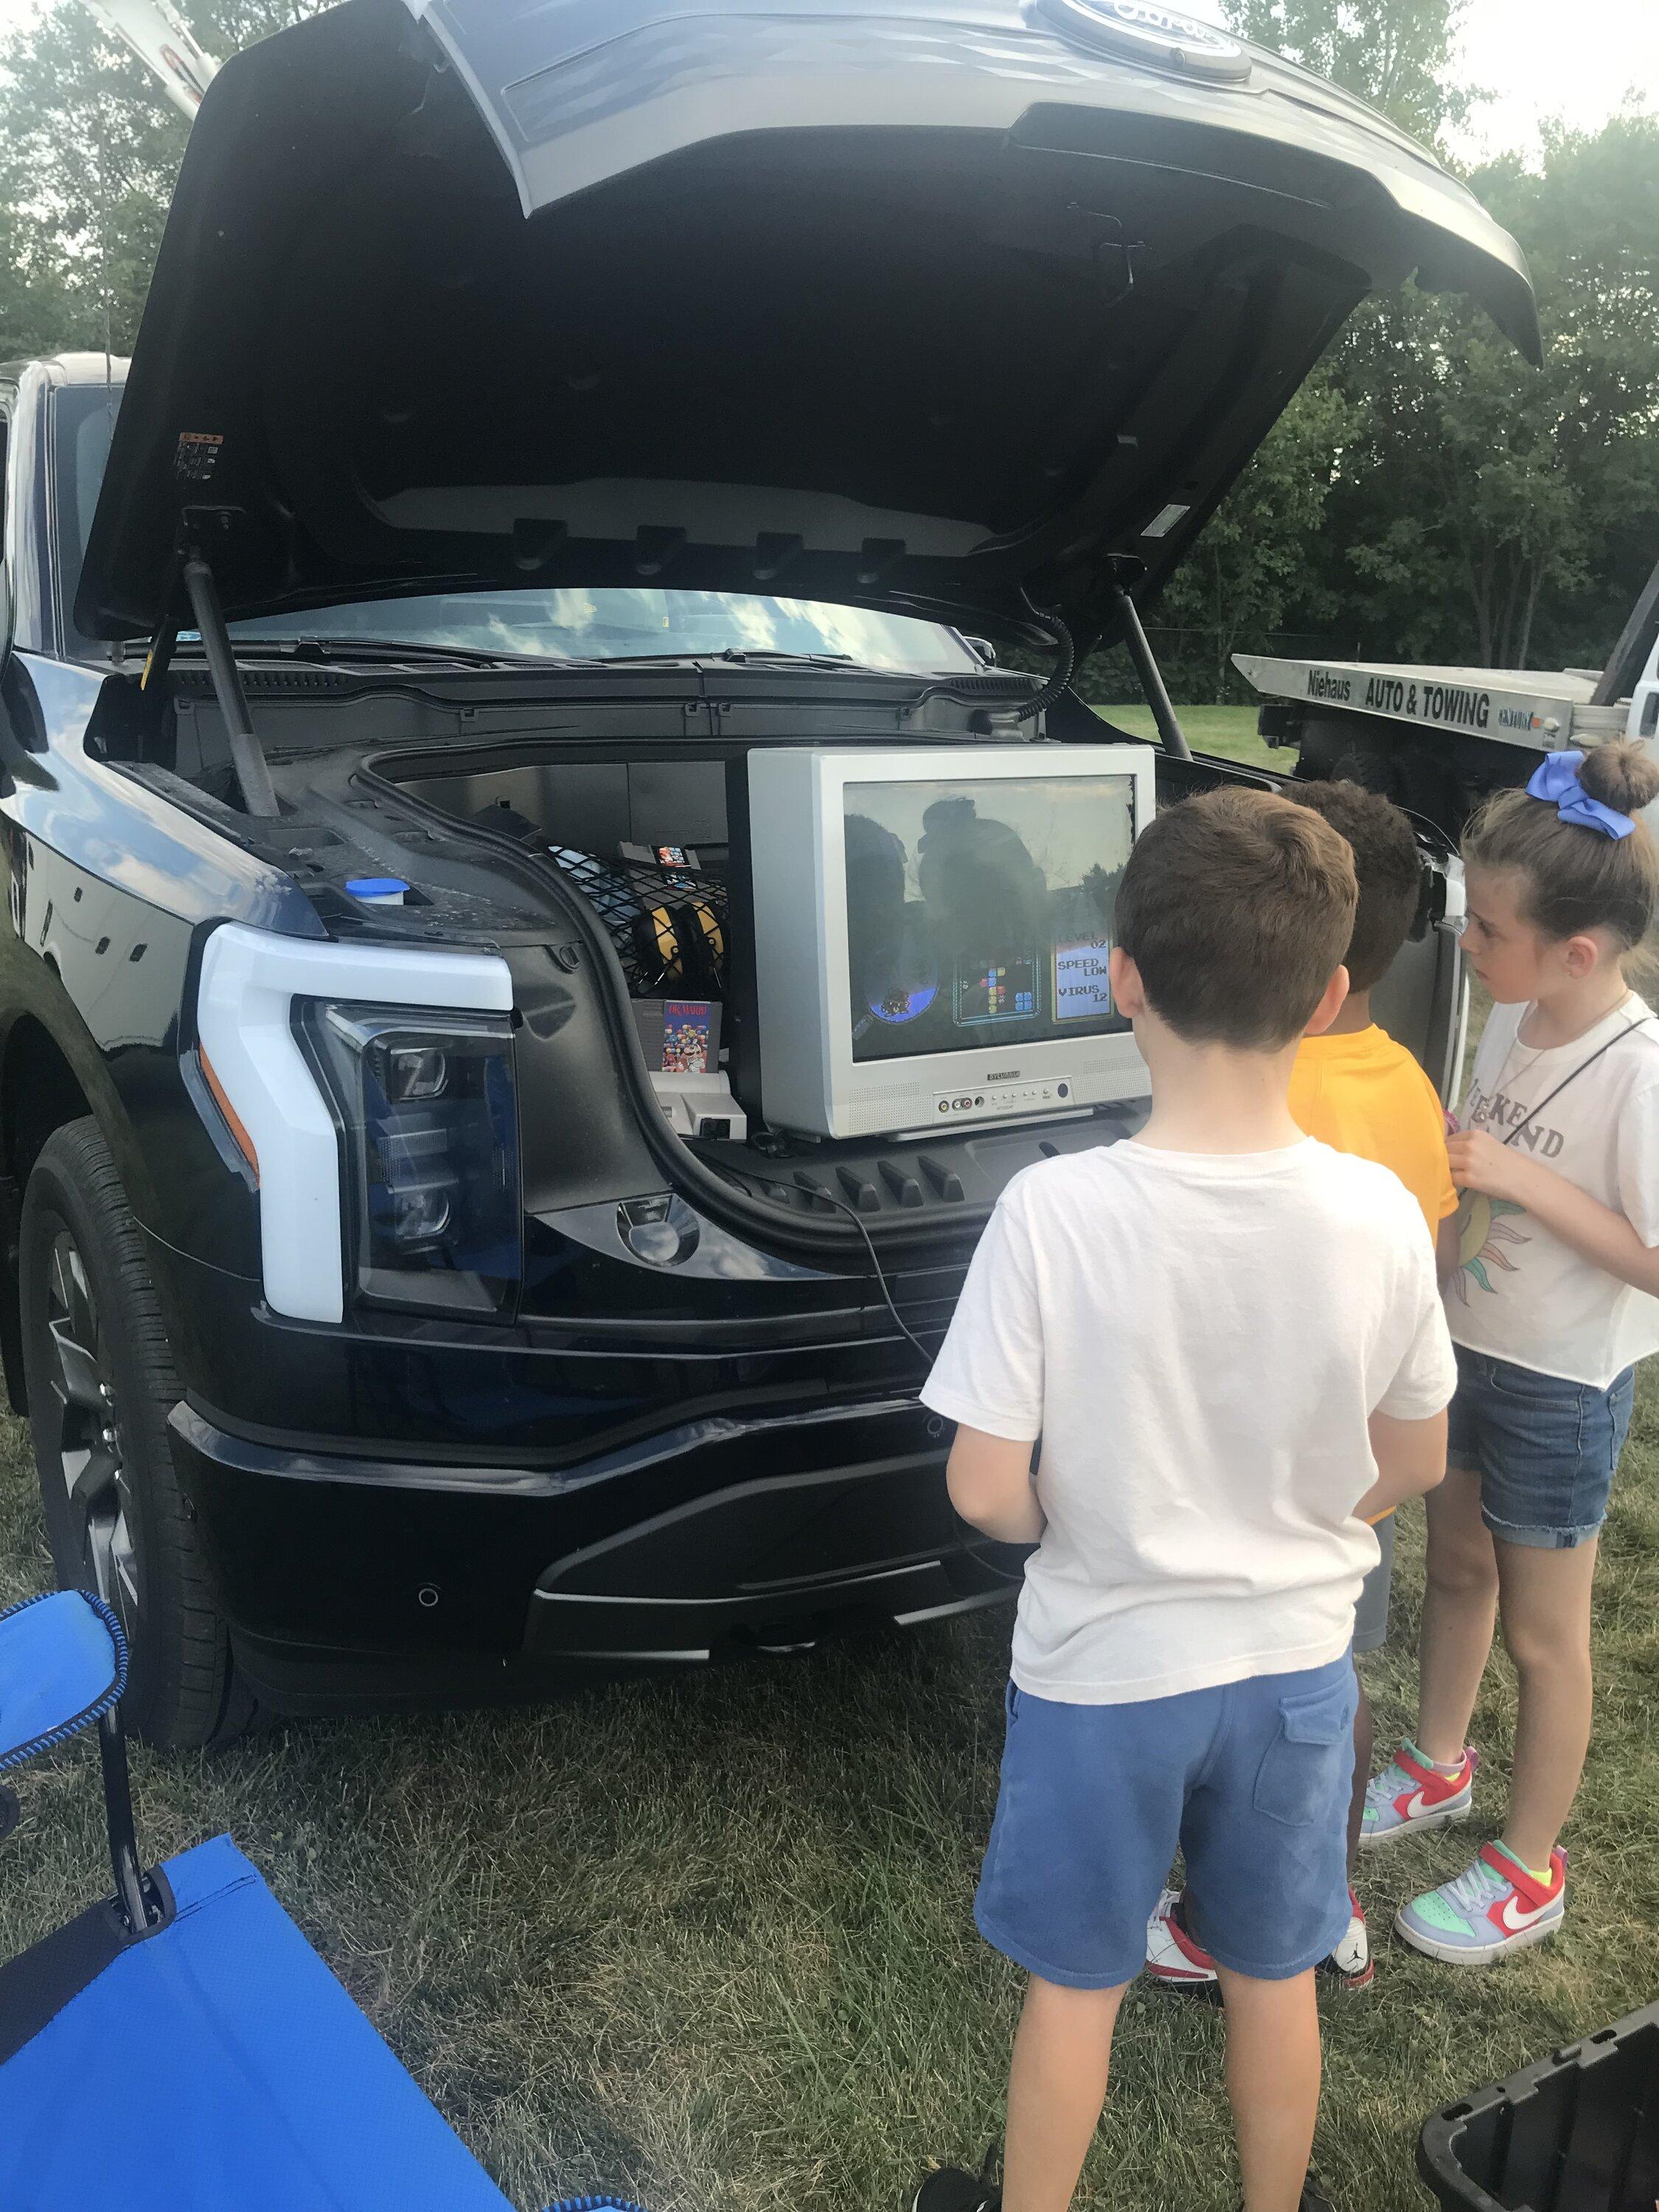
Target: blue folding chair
(182, 2048)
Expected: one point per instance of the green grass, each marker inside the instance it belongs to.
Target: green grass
(708, 1941)
(1228, 731)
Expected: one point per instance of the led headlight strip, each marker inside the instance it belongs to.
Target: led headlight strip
(244, 1018)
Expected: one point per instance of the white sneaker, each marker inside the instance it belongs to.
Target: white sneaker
(1176, 1960)
(1351, 1964)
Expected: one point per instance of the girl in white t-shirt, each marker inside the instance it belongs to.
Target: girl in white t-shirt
(1555, 1298)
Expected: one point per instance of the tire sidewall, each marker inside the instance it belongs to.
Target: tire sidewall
(54, 1200)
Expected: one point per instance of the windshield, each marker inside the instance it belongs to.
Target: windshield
(574, 624)
(83, 418)
(618, 625)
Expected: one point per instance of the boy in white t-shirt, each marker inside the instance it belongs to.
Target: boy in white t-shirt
(1228, 1341)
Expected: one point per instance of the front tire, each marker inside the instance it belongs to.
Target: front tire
(101, 1387)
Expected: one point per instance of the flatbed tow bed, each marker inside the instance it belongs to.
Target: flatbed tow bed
(1508, 706)
(1438, 739)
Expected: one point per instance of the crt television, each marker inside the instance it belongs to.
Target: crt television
(932, 928)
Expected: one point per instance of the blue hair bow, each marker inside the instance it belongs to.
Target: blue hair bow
(1557, 781)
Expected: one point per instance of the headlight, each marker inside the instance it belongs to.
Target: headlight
(427, 1111)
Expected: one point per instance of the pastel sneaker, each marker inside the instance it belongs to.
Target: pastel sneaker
(1410, 1795)
(1176, 1960)
(1494, 1908)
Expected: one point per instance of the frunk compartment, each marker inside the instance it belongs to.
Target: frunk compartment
(642, 834)
(1577, 2132)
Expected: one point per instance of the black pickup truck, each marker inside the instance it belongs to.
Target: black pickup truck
(535, 411)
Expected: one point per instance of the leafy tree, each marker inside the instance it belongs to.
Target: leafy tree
(1267, 557)
(1398, 55)
(89, 147)
(1472, 510)
(1482, 510)
(1249, 569)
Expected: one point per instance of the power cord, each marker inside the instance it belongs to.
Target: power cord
(970, 1536)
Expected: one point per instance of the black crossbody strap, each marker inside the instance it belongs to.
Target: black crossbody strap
(1629, 1030)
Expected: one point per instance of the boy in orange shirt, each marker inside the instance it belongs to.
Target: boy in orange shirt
(1356, 1090)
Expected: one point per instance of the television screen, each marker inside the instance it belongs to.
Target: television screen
(980, 913)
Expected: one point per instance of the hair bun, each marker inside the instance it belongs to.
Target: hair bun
(1621, 774)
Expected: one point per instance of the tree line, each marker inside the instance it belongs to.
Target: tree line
(1426, 496)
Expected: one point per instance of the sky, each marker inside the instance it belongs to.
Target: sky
(1571, 60)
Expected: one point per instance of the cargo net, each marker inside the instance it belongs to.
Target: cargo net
(669, 925)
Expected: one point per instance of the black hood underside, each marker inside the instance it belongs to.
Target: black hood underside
(986, 353)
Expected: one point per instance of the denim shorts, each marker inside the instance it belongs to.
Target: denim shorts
(1252, 1781)
(1545, 1449)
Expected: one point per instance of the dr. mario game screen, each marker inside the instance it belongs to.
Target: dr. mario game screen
(981, 913)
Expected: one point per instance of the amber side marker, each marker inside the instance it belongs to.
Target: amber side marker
(233, 1120)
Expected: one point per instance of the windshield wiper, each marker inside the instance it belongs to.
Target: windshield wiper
(775, 653)
(326, 651)
(732, 655)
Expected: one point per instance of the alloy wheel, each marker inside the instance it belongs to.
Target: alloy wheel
(88, 1442)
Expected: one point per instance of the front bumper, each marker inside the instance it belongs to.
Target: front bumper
(355, 1582)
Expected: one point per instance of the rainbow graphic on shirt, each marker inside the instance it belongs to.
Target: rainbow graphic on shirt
(1482, 1232)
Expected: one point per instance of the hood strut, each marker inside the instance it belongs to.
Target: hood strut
(252, 770)
(1151, 675)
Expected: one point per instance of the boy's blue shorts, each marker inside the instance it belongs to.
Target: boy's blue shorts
(1253, 1781)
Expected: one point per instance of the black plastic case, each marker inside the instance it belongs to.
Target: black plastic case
(1577, 2132)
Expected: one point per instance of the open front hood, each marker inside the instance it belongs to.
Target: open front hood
(924, 304)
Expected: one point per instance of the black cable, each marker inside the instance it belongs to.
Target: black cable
(899, 1322)
(1039, 702)
(1065, 668)
(970, 1536)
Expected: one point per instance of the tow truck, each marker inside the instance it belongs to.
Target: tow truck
(1437, 740)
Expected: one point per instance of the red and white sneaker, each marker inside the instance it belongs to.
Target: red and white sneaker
(1351, 1965)
(1411, 1796)
(1174, 1959)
